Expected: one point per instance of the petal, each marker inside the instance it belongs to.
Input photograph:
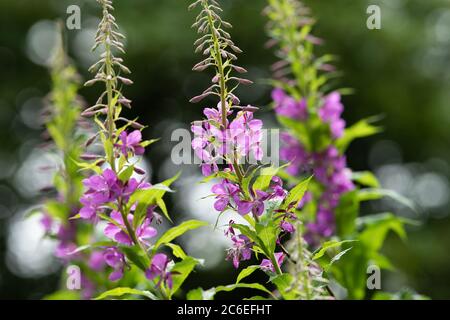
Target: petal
(134, 138)
(111, 230)
(258, 208)
(116, 275)
(244, 207)
(160, 261)
(138, 150)
(221, 204)
(87, 212)
(116, 216)
(278, 94)
(219, 189)
(169, 280)
(123, 238)
(198, 143)
(147, 232)
(255, 124)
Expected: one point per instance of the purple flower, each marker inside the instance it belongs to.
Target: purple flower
(241, 249)
(287, 226)
(277, 190)
(331, 112)
(96, 261)
(256, 206)
(65, 251)
(46, 222)
(287, 106)
(105, 188)
(88, 288)
(209, 168)
(118, 231)
(224, 191)
(323, 226)
(157, 268)
(131, 143)
(116, 260)
(246, 134)
(267, 265)
(100, 190)
(230, 229)
(293, 152)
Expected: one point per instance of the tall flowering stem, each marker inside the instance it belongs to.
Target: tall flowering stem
(316, 141)
(227, 142)
(66, 130)
(117, 192)
(108, 70)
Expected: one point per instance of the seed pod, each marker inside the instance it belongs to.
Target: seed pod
(90, 141)
(239, 69)
(139, 170)
(125, 81)
(88, 156)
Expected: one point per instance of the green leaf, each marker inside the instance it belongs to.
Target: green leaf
(177, 250)
(264, 178)
(361, 129)
(346, 213)
(196, 294)
(134, 255)
(296, 194)
(268, 235)
(162, 205)
(377, 193)
(126, 174)
(245, 230)
(232, 287)
(328, 245)
(375, 230)
(146, 143)
(299, 130)
(200, 294)
(284, 285)
(256, 298)
(57, 210)
(339, 255)
(98, 244)
(148, 197)
(63, 295)
(246, 272)
(366, 178)
(118, 292)
(177, 231)
(405, 294)
(181, 271)
(245, 184)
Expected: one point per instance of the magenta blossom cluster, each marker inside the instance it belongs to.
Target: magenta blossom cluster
(329, 166)
(215, 144)
(108, 193)
(66, 250)
(229, 195)
(330, 112)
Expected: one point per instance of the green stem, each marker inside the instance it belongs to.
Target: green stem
(222, 82)
(275, 264)
(110, 111)
(301, 264)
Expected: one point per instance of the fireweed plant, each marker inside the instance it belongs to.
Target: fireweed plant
(315, 142)
(62, 122)
(228, 141)
(117, 195)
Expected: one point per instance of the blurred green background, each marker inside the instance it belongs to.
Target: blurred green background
(401, 72)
